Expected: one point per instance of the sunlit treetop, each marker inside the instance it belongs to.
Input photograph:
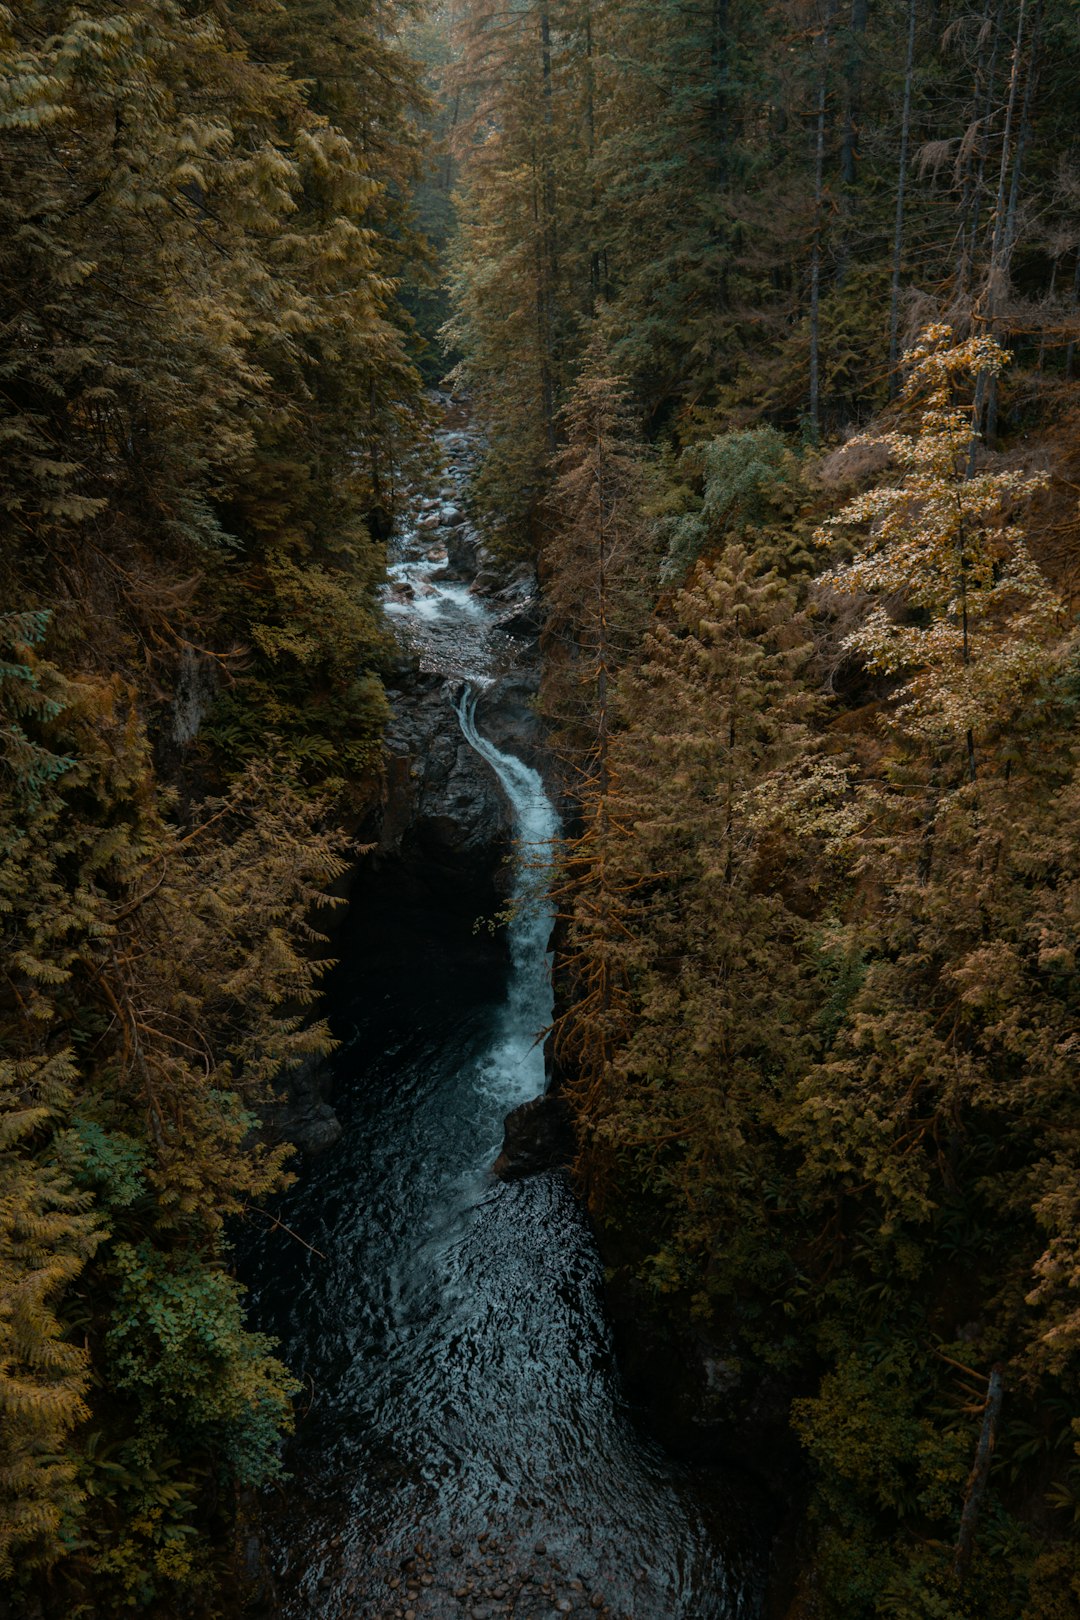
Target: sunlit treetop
(966, 607)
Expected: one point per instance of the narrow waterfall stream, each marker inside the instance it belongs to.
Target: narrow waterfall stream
(464, 1448)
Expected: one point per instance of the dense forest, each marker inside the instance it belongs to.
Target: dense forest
(769, 317)
(206, 386)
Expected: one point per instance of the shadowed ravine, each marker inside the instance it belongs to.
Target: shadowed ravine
(451, 1328)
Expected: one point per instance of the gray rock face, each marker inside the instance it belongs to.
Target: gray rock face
(196, 688)
(537, 1136)
(506, 714)
(440, 793)
(462, 547)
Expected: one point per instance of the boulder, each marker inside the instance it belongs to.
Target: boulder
(523, 622)
(538, 1135)
(507, 716)
(444, 813)
(302, 1114)
(461, 550)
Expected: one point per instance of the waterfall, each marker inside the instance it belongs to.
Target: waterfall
(515, 1066)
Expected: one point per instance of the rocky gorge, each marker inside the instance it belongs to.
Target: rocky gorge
(465, 1447)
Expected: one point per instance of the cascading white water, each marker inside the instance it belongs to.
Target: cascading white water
(516, 1064)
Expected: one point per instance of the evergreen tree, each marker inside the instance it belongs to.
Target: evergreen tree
(710, 957)
(205, 387)
(596, 562)
(520, 280)
(940, 540)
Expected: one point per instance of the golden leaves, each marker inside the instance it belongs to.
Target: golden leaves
(940, 542)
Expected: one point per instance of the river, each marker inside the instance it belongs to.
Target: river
(463, 1447)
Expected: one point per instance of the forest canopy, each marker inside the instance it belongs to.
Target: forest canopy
(206, 383)
(768, 318)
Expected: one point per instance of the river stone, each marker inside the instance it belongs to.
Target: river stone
(461, 548)
(302, 1113)
(444, 813)
(538, 1135)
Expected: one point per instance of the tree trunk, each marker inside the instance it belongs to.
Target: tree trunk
(549, 137)
(819, 204)
(850, 148)
(1071, 350)
(1050, 298)
(974, 172)
(980, 1474)
(595, 258)
(549, 255)
(997, 241)
(543, 318)
(448, 161)
(901, 189)
(1012, 210)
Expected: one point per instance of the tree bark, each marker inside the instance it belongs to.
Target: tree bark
(980, 1474)
(997, 240)
(819, 203)
(595, 258)
(549, 270)
(901, 190)
(849, 151)
(448, 160)
(849, 146)
(1071, 350)
(543, 318)
(1012, 209)
(971, 198)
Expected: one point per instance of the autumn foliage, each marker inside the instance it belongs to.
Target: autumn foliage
(205, 386)
(826, 1102)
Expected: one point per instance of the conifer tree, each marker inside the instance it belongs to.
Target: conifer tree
(716, 708)
(148, 1001)
(596, 563)
(520, 280)
(941, 541)
(204, 385)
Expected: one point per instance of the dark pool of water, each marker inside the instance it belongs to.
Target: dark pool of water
(459, 1370)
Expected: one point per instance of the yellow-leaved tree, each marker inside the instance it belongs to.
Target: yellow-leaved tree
(942, 544)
